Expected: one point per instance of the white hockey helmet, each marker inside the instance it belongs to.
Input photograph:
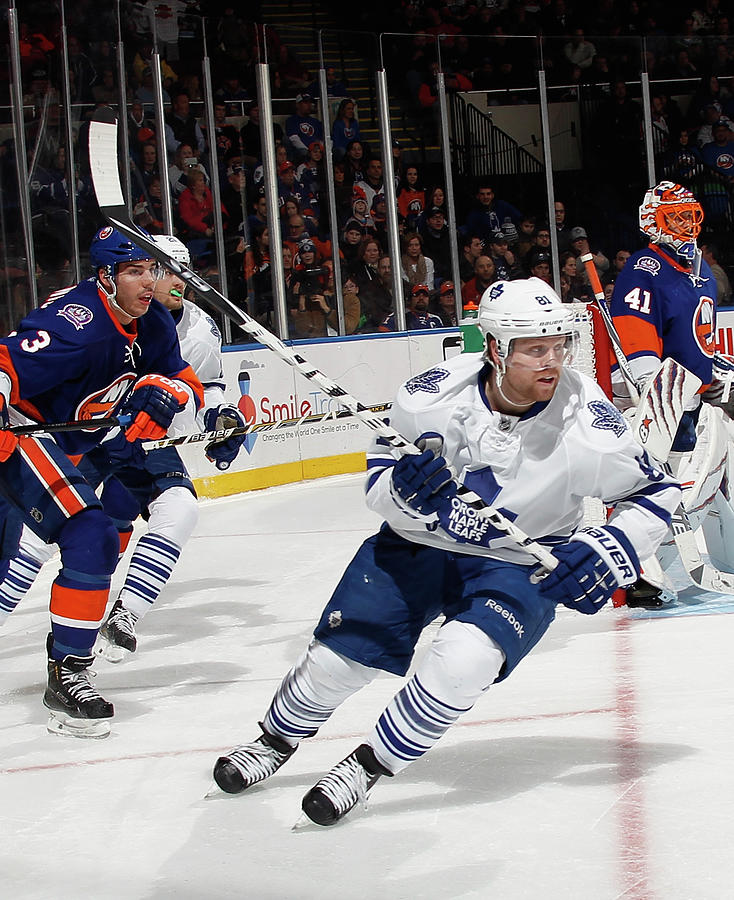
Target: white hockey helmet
(173, 247)
(527, 307)
(670, 214)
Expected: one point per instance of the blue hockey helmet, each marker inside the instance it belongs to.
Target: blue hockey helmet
(109, 248)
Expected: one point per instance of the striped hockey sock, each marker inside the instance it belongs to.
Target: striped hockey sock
(19, 575)
(410, 725)
(151, 565)
(311, 691)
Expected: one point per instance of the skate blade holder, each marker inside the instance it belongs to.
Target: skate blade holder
(86, 729)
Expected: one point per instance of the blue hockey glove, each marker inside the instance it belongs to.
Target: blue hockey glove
(591, 566)
(123, 452)
(153, 402)
(223, 453)
(8, 441)
(424, 482)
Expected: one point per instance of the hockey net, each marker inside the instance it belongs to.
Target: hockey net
(593, 359)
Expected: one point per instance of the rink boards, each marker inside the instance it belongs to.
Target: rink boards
(370, 367)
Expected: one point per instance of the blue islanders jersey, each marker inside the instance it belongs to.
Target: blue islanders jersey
(73, 359)
(661, 311)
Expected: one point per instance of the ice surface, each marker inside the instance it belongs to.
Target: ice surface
(601, 769)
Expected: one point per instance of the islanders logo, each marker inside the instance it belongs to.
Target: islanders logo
(102, 403)
(78, 315)
(246, 406)
(703, 326)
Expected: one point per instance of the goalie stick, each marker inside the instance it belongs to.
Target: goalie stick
(662, 406)
(255, 428)
(103, 158)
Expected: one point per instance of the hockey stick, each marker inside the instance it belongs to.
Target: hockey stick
(624, 367)
(255, 428)
(73, 425)
(106, 179)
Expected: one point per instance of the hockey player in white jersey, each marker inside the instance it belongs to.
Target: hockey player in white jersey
(156, 481)
(533, 438)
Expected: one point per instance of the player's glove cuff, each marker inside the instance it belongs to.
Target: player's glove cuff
(617, 552)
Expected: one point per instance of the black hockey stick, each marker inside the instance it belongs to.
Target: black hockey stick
(223, 434)
(103, 157)
(72, 425)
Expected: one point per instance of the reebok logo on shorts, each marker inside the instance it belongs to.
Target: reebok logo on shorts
(506, 614)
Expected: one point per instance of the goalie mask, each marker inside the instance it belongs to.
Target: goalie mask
(526, 308)
(671, 215)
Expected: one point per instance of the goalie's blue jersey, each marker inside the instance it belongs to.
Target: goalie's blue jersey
(660, 310)
(72, 359)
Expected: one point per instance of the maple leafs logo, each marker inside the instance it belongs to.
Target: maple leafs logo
(426, 381)
(607, 417)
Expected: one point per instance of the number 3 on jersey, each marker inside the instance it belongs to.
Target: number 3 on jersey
(33, 346)
(638, 300)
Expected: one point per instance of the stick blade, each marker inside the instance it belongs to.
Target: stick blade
(103, 159)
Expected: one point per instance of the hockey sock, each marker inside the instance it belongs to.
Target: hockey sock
(151, 565)
(319, 682)
(124, 534)
(460, 665)
(18, 575)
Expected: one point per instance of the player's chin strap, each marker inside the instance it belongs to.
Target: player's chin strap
(111, 296)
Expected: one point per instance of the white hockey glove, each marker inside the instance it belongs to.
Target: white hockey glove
(723, 372)
(591, 566)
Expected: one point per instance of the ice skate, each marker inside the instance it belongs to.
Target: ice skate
(249, 764)
(117, 636)
(344, 787)
(76, 708)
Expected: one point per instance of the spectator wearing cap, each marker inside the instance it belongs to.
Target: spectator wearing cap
(712, 115)
(539, 264)
(302, 129)
(361, 210)
(489, 214)
(352, 235)
(288, 186)
(233, 193)
(503, 258)
(436, 243)
(250, 136)
(181, 126)
(580, 246)
(411, 196)
(444, 304)
(345, 127)
(484, 275)
(376, 297)
(718, 154)
(417, 315)
(417, 267)
(472, 247)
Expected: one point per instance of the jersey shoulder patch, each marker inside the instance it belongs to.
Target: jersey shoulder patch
(606, 417)
(647, 263)
(427, 381)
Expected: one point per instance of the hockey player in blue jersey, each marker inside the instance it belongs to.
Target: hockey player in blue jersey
(664, 300)
(531, 436)
(99, 348)
(154, 482)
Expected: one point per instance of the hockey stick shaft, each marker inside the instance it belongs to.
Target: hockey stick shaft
(106, 179)
(624, 367)
(73, 425)
(224, 434)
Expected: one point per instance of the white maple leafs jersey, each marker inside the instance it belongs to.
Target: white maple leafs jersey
(536, 468)
(201, 347)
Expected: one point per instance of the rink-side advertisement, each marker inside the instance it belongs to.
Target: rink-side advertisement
(268, 391)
